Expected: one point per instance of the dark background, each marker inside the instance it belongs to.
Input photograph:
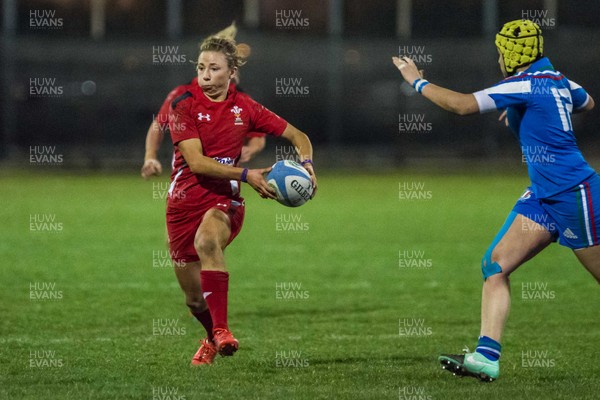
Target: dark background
(355, 96)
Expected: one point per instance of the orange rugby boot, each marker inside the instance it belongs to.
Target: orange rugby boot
(224, 341)
(205, 354)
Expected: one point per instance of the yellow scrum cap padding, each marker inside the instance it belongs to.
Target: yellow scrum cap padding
(520, 42)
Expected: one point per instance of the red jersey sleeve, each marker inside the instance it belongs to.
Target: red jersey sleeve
(265, 120)
(181, 121)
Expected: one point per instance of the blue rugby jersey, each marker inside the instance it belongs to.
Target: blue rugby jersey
(539, 102)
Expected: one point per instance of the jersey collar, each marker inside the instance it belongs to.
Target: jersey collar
(543, 64)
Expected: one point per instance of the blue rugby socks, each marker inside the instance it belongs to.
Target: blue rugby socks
(489, 348)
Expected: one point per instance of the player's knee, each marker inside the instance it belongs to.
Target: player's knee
(491, 263)
(206, 245)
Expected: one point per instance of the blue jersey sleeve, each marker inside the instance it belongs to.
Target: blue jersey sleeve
(578, 95)
(504, 94)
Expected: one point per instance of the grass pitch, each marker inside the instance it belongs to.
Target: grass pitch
(352, 296)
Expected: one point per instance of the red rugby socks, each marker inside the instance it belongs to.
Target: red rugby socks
(215, 285)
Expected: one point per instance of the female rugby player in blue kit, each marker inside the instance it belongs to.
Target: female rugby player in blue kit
(563, 201)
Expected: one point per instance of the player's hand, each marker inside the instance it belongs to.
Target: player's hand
(408, 69)
(256, 179)
(151, 167)
(503, 117)
(311, 171)
(246, 154)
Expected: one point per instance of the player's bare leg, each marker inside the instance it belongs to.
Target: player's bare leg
(188, 276)
(519, 241)
(523, 240)
(590, 258)
(211, 240)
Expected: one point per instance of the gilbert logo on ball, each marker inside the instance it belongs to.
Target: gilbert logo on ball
(291, 182)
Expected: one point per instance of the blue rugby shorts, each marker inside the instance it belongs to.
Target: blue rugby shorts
(572, 217)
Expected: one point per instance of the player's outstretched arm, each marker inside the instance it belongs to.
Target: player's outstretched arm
(191, 149)
(590, 104)
(449, 100)
(154, 138)
(304, 149)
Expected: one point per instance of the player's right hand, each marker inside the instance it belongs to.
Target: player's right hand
(151, 167)
(256, 179)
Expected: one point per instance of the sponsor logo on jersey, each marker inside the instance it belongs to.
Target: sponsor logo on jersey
(203, 117)
(224, 160)
(237, 112)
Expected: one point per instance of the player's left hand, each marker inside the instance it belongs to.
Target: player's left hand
(408, 69)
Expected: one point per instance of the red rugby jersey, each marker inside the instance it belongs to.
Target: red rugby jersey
(222, 128)
(163, 114)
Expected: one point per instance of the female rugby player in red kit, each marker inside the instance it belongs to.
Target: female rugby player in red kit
(205, 212)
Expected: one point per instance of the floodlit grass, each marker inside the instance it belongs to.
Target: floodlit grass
(90, 308)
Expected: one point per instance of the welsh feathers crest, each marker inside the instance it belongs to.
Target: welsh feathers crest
(237, 111)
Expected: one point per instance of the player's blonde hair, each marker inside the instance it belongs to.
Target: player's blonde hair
(224, 42)
(228, 33)
(520, 42)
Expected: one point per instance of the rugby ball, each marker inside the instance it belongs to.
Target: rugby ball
(291, 182)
